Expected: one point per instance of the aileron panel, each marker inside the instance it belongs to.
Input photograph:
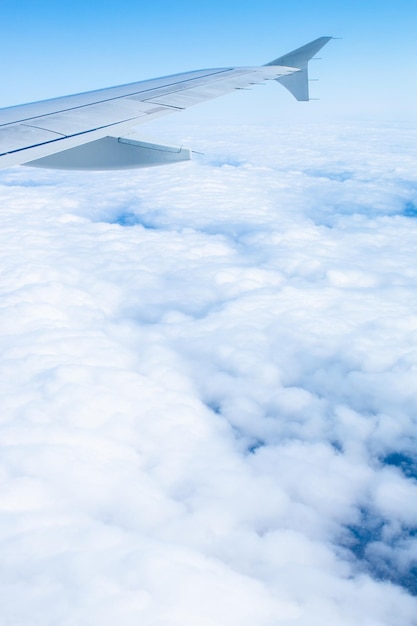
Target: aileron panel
(20, 136)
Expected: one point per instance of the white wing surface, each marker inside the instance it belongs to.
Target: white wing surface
(91, 130)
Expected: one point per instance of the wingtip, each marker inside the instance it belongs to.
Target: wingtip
(297, 82)
(300, 56)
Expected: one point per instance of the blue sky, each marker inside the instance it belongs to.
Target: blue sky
(58, 48)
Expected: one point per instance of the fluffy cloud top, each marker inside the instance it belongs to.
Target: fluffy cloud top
(208, 384)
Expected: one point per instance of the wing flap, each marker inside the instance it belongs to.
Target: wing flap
(199, 91)
(113, 153)
(235, 79)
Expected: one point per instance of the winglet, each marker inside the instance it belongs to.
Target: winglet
(297, 82)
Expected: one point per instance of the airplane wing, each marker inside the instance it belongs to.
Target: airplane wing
(90, 131)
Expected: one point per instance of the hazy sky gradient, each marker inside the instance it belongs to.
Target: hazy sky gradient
(58, 48)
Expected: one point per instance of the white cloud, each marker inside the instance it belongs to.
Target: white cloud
(208, 385)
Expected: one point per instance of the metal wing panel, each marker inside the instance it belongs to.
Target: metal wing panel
(79, 120)
(39, 129)
(201, 91)
(20, 136)
(140, 91)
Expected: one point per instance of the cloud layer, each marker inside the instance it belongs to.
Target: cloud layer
(208, 386)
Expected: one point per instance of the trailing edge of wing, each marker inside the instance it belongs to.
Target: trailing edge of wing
(113, 153)
(297, 83)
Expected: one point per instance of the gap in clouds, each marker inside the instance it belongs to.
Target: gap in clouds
(129, 218)
(383, 550)
(407, 463)
(410, 209)
(341, 176)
